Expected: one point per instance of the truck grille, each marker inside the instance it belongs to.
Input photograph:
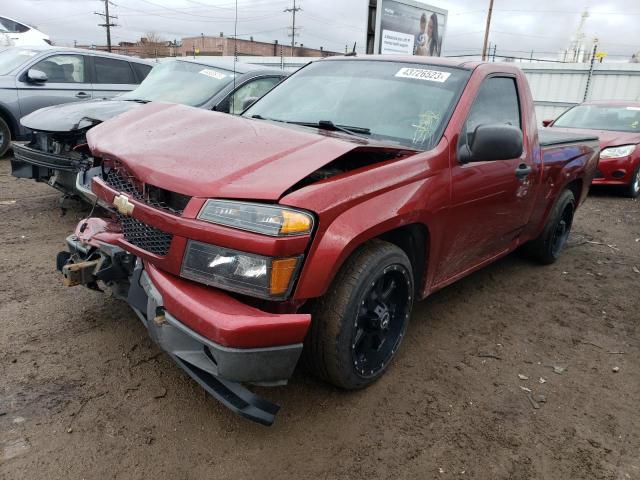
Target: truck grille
(145, 236)
(119, 179)
(116, 180)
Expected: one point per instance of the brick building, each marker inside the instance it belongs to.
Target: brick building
(221, 45)
(143, 48)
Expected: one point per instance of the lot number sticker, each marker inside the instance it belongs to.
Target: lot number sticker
(421, 74)
(212, 73)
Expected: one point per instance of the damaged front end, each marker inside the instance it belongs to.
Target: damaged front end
(54, 158)
(92, 259)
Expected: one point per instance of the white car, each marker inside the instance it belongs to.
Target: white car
(13, 33)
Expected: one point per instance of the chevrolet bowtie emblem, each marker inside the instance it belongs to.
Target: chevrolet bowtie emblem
(123, 205)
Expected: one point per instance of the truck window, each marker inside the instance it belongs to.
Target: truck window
(496, 102)
(399, 102)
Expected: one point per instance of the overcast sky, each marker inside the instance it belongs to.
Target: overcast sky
(518, 27)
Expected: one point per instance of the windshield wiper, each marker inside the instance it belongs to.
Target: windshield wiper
(329, 125)
(137, 100)
(324, 125)
(260, 117)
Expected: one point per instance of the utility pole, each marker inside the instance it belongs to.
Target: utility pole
(107, 22)
(293, 11)
(486, 31)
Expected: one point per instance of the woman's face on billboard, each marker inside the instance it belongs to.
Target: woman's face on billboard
(430, 29)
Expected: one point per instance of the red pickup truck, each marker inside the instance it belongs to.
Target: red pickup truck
(310, 225)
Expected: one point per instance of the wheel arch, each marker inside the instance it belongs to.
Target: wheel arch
(413, 240)
(576, 186)
(412, 237)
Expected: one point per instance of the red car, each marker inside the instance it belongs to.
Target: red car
(311, 224)
(617, 125)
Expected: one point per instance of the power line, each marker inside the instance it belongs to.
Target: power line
(107, 22)
(198, 18)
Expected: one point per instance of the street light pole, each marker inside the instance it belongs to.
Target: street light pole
(486, 31)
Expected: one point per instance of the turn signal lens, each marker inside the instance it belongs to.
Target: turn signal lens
(282, 269)
(295, 222)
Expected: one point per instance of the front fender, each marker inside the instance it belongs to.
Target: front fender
(335, 242)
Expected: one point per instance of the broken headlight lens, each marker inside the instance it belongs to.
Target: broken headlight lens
(247, 273)
(617, 152)
(271, 220)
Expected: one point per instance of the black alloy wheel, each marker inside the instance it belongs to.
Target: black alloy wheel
(381, 320)
(358, 325)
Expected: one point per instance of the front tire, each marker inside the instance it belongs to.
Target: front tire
(549, 245)
(5, 137)
(358, 325)
(633, 189)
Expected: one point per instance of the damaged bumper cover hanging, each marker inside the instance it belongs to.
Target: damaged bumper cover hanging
(219, 369)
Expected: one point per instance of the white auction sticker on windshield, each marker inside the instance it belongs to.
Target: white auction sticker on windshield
(422, 74)
(212, 73)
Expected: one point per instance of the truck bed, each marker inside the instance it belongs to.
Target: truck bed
(548, 137)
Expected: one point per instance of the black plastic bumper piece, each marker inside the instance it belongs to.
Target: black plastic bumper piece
(39, 158)
(232, 395)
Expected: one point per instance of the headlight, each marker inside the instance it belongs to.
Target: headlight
(248, 273)
(254, 217)
(617, 152)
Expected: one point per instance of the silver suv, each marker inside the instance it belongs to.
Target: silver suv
(36, 77)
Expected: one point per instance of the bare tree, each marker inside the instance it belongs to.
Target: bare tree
(153, 45)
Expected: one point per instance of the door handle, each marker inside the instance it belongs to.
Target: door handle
(82, 95)
(523, 170)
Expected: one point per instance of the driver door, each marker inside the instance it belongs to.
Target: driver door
(491, 200)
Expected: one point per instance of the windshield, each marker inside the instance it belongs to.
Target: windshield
(601, 117)
(400, 102)
(12, 58)
(181, 82)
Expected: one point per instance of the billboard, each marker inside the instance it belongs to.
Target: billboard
(406, 27)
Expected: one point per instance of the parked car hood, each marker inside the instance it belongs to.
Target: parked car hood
(608, 138)
(68, 117)
(209, 154)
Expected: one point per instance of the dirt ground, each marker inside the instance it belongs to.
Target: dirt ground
(85, 394)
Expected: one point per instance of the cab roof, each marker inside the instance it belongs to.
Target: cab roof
(445, 62)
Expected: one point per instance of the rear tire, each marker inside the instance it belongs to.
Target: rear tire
(5, 137)
(633, 189)
(358, 325)
(547, 248)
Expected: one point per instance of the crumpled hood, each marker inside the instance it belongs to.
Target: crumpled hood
(208, 154)
(68, 117)
(608, 138)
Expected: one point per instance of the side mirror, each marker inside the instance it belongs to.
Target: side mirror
(546, 123)
(223, 106)
(492, 142)
(248, 102)
(36, 76)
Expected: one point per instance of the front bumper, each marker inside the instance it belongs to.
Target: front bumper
(57, 170)
(615, 171)
(26, 154)
(219, 369)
